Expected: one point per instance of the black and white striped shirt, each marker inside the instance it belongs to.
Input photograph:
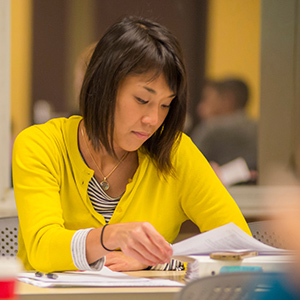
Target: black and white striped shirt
(102, 203)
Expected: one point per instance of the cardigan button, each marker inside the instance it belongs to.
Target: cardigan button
(82, 182)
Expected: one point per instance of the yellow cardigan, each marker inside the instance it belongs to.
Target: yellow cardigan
(50, 184)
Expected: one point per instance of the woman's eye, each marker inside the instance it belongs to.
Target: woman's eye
(166, 105)
(140, 100)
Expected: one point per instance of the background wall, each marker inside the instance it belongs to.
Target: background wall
(233, 43)
(280, 86)
(4, 96)
(21, 64)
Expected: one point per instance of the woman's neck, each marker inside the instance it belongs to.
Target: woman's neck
(112, 172)
(101, 155)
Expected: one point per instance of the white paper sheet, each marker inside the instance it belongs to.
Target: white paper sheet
(103, 278)
(225, 238)
(235, 171)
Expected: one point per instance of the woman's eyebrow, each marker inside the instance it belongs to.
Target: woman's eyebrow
(152, 91)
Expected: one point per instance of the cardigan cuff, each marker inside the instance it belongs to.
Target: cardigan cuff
(78, 246)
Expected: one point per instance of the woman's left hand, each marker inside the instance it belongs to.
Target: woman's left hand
(118, 261)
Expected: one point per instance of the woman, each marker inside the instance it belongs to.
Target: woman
(124, 163)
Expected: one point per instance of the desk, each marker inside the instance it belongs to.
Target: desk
(256, 202)
(30, 292)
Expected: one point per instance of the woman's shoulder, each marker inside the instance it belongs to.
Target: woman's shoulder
(185, 144)
(187, 153)
(52, 129)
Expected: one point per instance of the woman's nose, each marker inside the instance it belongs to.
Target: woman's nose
(151, 116)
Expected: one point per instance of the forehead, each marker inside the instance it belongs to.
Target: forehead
(149, 82)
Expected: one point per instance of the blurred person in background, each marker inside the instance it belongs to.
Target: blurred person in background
(225, 132)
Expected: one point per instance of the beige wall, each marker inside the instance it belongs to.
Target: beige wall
(4, 96)
(21, 36)
(233, 44)
(280, 86)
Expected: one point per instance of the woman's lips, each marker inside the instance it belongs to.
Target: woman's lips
(141, 135)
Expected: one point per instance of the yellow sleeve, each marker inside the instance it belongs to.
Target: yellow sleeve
(36, 179)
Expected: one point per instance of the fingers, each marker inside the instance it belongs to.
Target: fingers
(156, 245)
(145, 244)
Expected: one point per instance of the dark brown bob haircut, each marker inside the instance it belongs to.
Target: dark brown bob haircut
(134, 46)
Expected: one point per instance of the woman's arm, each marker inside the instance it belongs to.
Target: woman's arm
(138, 240)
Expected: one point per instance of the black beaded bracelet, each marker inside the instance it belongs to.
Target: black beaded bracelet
(101, 239)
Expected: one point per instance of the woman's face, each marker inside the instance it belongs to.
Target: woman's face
(141, 107)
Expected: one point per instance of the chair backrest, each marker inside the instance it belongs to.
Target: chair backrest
(230, 286)
(9, 236)
(263, 231)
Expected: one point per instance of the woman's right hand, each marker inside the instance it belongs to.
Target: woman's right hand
(139, 240)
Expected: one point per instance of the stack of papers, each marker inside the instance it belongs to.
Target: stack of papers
(103, 278)
(195, 251)
(203, 265)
